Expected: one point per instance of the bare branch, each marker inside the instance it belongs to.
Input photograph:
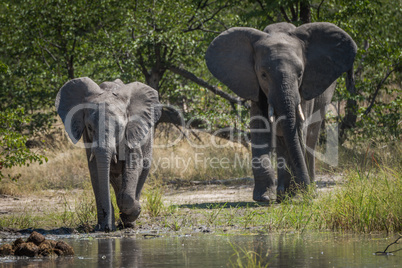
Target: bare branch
(379, 85)
(261, 4)
(283, 11)
(143, 66)
(211, 88)
(385, 250)
(293, 11)
(48, 52)
(201, 23)
(318, 10)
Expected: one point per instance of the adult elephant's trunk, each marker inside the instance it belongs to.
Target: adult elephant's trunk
(290, 116)
(104, 206)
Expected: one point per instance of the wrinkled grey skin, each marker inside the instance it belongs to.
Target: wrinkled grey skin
(116, 122)
(277, 70)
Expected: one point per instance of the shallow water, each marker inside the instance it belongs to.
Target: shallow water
(209, 250)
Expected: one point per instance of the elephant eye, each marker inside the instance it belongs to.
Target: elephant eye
(264, 75)
(300, 75)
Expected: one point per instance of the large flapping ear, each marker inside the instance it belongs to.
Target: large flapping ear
(230, 58)
(143, 111)
(68, 101)
(329, 52)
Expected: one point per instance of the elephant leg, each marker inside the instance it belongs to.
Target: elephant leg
(128, 204)
(316, 117)
(93, 172)
(313, 135)
(264, 176)
(115, 181)
(147, 161)
(284, 169)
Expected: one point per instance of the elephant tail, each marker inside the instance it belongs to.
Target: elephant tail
(350, 82)
(349, 121)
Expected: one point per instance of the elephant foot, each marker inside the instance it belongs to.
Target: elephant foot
(129, 219)
(284, 193)
(124, 225)
(266, 196)
(296, 193)
(281, 195)
(104, 228)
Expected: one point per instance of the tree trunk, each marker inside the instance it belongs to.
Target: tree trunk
(305, 11)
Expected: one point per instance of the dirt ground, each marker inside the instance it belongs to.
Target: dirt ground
(235, 190)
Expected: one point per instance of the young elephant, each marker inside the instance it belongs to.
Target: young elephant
(116, 122)
(288, 73)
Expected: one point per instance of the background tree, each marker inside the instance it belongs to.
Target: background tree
(162, 43)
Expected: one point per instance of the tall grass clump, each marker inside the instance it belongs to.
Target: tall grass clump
(154, 202)
(366, 202)
(197, 156)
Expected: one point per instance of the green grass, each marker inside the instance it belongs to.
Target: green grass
(367, 199)
(154, 202)
(364, 203)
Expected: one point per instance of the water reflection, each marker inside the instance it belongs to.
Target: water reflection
(206, 250)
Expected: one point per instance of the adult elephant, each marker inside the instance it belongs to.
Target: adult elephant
(289, 74)
(115, 121)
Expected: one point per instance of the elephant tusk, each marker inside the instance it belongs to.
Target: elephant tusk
(271, 114)
(115, 159)
(300, 111)
(91, 157)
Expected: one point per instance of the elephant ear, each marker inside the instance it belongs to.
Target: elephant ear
(70, 96)
(230, 58)
(329, 52)
(143, 111)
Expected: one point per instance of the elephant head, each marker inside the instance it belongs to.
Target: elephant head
(115, 120)
(286, 64)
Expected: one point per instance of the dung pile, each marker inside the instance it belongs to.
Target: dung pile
(37, 246)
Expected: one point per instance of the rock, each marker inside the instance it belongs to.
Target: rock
(37, 245)
(36, 238)
(17, 242)
(46, 248)
(26, 249)
(6, 249)
(65, 248)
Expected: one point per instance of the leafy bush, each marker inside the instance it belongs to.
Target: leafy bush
(13, 150)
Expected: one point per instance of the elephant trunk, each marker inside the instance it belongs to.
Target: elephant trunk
(105, 218)
(290, 118)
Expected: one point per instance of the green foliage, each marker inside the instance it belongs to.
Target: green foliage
(374, 27)
(13, 151)
(45, 43)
